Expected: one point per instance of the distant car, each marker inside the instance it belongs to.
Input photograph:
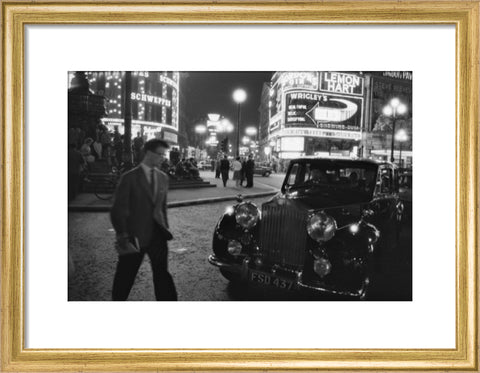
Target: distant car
(262, 169)
(324, 233)
(204, 165)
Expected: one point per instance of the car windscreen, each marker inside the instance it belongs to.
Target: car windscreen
(345, 182)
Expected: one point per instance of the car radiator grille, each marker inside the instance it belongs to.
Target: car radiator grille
(283, 235)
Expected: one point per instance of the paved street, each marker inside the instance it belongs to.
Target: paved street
(91, 240)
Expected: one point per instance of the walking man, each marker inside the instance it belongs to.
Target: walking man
(249, 167)
(224, 169)
(139, 217)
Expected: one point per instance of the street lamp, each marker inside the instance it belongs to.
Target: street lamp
(239, 96)
(251, 131)
(225, 126)
(392, 109)
(401, 136)
(200, 130)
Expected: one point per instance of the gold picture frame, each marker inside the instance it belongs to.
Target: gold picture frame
(15, 15)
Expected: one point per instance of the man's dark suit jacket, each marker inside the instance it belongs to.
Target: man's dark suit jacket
(134, 211)
(250, 166)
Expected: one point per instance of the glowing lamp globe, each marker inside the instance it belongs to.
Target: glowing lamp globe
(239, 96)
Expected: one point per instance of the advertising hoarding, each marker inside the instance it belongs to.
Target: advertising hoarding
(344, 83)
(321, 110)
(287, 80)
(292, 144)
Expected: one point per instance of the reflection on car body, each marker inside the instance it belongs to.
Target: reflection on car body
(321, 233)
(405, 189)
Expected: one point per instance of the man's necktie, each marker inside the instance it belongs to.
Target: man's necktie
(152, 181)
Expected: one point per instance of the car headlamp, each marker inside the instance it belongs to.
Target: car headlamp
(321, 227)
(322, 267)
(234, 247)
(247, 215)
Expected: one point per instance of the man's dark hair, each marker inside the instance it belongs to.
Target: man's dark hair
(153, 144)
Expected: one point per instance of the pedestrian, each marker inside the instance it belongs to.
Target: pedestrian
(86, 150)
(97, 149)
(139, 217)
(242, 171)
(117, 147)
(237, 171)
(137, 148)
(212, 164)
(224, 168)
(76, 164)
(274, 166)
(249, 167)
(217, 168)
(106, 141)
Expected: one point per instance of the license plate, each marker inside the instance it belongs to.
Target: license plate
(271, 280)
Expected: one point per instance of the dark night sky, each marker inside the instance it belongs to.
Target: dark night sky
(211, 92)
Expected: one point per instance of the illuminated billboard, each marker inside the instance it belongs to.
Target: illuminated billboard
(321, 110)
(287, 80)
(292, 144)
(344, 83)
(317, 99)
(154, 98)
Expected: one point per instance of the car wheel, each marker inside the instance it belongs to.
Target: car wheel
(232, 277)
(266, 174)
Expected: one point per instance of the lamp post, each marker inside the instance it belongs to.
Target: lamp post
(401, 136)
(252, 131)
(127, 142)
(200, 130)
(239, 96)
(225, 127)
(392, 109)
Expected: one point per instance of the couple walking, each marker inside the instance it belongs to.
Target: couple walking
(241, 171)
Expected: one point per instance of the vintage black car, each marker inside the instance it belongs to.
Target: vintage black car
(321, 234)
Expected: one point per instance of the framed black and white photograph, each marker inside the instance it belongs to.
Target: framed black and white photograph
(234, 186)
(322, 202)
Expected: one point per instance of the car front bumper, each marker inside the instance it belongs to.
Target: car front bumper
(246, 268)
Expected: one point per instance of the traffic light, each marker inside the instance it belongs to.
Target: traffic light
(224, 145)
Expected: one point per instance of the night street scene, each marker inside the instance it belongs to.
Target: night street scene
(240, 186)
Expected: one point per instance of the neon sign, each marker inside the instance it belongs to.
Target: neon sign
(299, 80)
(143, 97)
(168, 81)
(342, 83)
(328, 111)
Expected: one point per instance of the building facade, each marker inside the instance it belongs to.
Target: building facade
(330, 114)
(154, 102)
(316, 113)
